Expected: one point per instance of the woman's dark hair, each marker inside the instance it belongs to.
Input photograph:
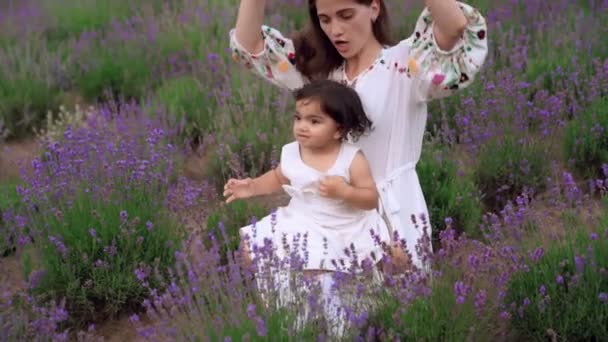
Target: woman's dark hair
(315, 54)
(341, 103)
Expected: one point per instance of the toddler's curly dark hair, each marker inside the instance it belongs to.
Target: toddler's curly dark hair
(341, 103)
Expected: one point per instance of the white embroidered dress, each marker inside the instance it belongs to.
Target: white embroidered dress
(394, 91)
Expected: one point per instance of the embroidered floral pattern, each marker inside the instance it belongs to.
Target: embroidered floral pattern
(447, 71)
(342, 77)
(276, 62)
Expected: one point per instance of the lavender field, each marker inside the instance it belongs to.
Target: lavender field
(120, 121)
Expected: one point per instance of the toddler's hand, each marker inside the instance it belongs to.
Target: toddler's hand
(238, 189)
(333, 187)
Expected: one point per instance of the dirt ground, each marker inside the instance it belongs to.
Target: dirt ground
(13, 153)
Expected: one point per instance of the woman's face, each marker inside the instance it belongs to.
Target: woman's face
(347, 24)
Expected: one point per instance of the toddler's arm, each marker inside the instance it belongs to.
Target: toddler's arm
(361, 193)
(266, 184)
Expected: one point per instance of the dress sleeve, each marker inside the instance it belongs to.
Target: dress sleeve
(441, 73)
(275, 63)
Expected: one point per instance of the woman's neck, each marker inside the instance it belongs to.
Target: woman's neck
(361, 61)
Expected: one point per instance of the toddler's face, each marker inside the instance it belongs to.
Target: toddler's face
(313, 128)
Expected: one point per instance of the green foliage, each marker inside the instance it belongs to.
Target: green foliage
(9, 202)
(92, 252)
(123, 69)
(27, 87)
(507, 166)
(225, 222)
(227, 294)
(70, 18)
(448, 193)
(253, 127)
(187, 101)
(440, 316)
(24, 103)
(586, 140)
(8, 196)
(566, 291)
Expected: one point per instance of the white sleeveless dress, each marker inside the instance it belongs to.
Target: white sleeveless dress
(327, 234)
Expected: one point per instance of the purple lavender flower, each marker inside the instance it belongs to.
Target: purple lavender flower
(537, 254)
(260, 326)
(603, 297)
(480, 299)
(61, 337)
(141, 274)
(23, 240)
(461, 290)
(59, 245)
(474, 261)
(124, 216)
(146, 332)
(579, 263)
(21, 221)
(179, 256)
(101, 264)
(35, 277)
(448, 221)
(59, 314)
(134, 319)
(110, 250)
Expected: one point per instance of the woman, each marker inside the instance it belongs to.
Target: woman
(348, 41)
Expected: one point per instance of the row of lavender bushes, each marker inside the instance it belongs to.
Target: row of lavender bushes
(511, 287)
(507, 125)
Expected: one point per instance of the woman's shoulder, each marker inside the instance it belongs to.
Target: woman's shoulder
(398, 50)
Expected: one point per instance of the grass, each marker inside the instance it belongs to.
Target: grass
(508, 166)
(449, 193)
(586, 140)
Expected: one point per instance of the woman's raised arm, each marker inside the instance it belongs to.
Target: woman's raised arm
(248, 23)
(450, 22)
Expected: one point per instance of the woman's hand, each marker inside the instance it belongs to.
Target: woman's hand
(239, 189)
